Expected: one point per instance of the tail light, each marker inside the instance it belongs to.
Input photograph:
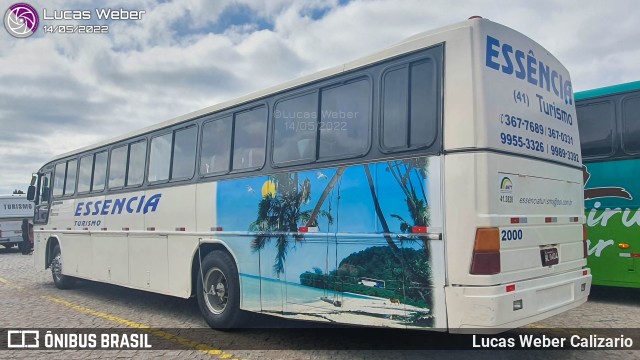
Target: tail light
(584, 240)
(486, 252)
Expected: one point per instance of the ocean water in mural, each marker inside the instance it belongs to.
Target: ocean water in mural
(335, 244)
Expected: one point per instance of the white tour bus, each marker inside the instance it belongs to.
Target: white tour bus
(13, 209)
(446, 167)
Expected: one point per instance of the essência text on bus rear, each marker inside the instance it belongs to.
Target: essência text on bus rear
(532, 70)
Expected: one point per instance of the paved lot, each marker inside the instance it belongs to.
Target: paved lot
(28, 299)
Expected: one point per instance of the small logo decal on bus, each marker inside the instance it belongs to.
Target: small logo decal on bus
(506, 186)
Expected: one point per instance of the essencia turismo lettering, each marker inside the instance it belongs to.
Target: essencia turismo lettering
(131, 205)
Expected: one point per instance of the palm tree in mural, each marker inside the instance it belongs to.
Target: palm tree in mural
(280, 212)
(403, 171)
(410, 175)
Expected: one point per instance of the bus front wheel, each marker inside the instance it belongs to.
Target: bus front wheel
(219, 291)
(61, 281)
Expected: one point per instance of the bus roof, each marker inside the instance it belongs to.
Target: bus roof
(608, 90)
(410, 44)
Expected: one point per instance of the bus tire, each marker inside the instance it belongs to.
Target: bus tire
(218, 294)
(61, 281)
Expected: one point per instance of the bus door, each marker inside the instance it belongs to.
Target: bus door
(42, 198)
(41, 216)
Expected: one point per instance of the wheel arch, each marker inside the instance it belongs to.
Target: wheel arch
(52, 241)
(204, 248)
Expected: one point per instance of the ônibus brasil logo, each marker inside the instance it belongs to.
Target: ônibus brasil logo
(21, 20)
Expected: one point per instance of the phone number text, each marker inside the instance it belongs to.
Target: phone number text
(564, 153)
(555, 134)
(520, 123)
(522, 142)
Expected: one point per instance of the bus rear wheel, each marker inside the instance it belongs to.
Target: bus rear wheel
(61, 281)
(219, 291)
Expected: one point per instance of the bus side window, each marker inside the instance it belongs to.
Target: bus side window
(631, 124)
(70, 182)
(184, 153)
(99, 172)
(136, 163)
(410, 106)
(117, 166)
(596, 125)
(160, 158)
(249, 139)
(60, 173)
(215, 146)
(84, 175)
(44, 192)
(295, 128)
(345, 115)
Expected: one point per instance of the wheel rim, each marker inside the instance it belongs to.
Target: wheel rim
(56, 267)
(216, 290)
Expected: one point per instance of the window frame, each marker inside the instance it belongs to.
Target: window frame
(144, 167)
(66, 178)
(439, 98)
(231, 113)
(126, 160)
(184, 127)
(623, 123)
(218, 117)
(148, 165)
(93, 164)
(614, 128)
(243, 109)
(171, 131)
(317, 89)
(303, 92)
(373, 72)
(106, 171)
(55, 178)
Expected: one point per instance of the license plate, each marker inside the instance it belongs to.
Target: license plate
(549, 256)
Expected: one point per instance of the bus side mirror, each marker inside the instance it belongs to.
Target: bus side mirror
(31, 193)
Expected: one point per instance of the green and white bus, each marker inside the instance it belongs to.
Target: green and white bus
(609, 123)
(435, 184)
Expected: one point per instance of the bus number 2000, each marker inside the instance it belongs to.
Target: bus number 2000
(507, 235)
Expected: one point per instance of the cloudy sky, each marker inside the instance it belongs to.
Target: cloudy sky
(59, 92)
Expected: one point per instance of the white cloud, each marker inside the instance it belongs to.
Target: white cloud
(59, 92)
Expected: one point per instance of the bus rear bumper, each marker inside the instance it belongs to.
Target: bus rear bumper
(493, 309)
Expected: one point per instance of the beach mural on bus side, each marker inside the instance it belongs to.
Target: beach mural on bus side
(341, 244)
